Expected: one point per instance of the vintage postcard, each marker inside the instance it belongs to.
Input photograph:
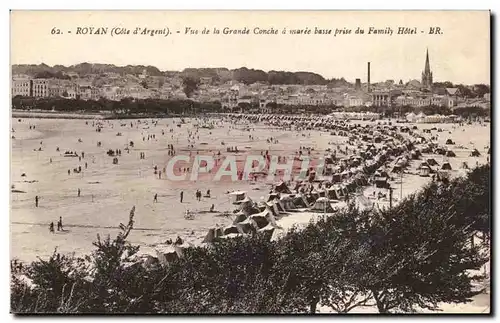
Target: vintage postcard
(270, 162)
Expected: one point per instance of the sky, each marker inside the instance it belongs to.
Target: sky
(461, 54)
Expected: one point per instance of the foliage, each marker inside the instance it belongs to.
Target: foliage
(127, 106)
(190, 85)
(412, 256)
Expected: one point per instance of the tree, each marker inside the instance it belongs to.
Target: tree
(190, 85)
(420, 253)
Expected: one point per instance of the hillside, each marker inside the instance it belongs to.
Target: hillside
(243, 74)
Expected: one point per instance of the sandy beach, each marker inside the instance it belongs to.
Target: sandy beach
(109, 191)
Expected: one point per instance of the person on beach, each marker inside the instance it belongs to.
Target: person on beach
(155, 199)
(178, 241)
(59, 224)
(51, 227)
(79, 191)
(182, 196)
(36, 201)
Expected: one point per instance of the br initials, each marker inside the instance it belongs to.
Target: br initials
(435, 31)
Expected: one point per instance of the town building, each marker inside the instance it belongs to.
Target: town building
(22, 87)
(41, 88)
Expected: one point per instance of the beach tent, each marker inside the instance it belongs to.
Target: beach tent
(415, 154)
(446, 166)
(397, 168)
(421, 115)
(267, 231)
(240, 217)
(259, 220)
(209, 238)
(300, 201)
(475, 153)
(231, 229)
(332, 194)
(450, 142)
(272, 197)
(288, 203)
(282, 188)
(450, 153)
(170, 254)
(237, 197)
(440, 151)
(410, 117)
(381, 173)
(276, 207)
(431, 162)
(322, 204)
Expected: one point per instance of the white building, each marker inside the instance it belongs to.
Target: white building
(21, 87)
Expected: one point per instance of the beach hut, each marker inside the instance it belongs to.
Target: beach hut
(450, 153)
(424, 171)
(322, 205)
(381, 182)
(446, 166)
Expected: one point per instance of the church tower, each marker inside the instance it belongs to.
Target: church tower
(427, 74)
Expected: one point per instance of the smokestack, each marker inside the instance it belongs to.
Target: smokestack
(368, 76)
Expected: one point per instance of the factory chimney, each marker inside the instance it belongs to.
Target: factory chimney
(368, 76)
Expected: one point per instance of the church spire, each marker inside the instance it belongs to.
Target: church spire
(427, 74)
(427, 69)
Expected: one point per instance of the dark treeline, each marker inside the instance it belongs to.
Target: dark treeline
(412, 256)
(130, 107)
(475, 91)
(84, 69)
(243, 74)
(127, 106)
